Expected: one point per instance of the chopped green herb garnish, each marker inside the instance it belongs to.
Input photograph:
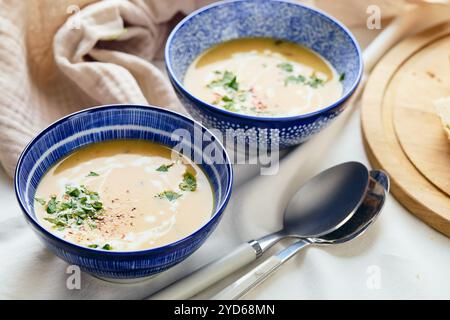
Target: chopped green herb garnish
(72, 191)
(164, 167)
(314, 82)
(77, 206)
(286, 66)
(342, 77)
(189, 182)
(294, 79)
(227, 102)
(92, 174)
(169, 195)
(52, 205)
(94, 246)
(56, 222)
(40, 200)
(230, 106)
(107, 247)
(233, 84)
(97, 205)
(226, 99)
(228, 80)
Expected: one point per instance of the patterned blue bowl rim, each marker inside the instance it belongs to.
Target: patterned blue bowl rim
(218, 212)
(257, 118)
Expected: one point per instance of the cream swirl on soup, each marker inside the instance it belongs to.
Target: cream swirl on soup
(124, 195)
(263, 77)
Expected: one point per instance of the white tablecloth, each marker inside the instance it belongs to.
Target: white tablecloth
(398, 258)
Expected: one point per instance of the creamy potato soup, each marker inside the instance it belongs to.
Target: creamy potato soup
(264, 77)
(124, 195)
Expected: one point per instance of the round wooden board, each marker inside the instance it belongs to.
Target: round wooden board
(422, 79)
(402, 132)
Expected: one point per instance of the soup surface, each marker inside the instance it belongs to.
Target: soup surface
(264, 77)
(124, 195)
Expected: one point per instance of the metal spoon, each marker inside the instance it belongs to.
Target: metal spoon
(319, 207)
(358, 224)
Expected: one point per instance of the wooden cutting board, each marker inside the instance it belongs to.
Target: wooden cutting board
(402, 132)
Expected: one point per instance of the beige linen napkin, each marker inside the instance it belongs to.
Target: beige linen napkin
(102, 54)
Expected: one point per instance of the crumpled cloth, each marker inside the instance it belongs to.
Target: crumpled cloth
(101, 55)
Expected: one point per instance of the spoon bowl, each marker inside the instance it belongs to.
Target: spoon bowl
(322, 205)
(326, 201)
(366, 214)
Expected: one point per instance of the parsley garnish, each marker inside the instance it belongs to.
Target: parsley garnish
(41, 201)
(228, 103)
(230, 106)
(107, 247)
(189, 182)
(52, 205)
(164, 167)
(169, 195)
(233, 84)
(97, 205)
(294, 79)
(56, 222)
(77, 206)
(228, 80)
(92, 174)
(286, 66)
(314, 82)
(342, 77)
(72, 191)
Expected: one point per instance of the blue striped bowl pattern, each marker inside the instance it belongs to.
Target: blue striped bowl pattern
(120, 122)
(279, 19)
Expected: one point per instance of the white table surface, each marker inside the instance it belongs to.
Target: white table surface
(398, 258)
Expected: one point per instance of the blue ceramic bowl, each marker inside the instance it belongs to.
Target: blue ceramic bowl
(263, 18)
(121, 122)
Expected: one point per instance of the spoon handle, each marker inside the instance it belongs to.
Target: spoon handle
(256, 276)
(208, 275)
